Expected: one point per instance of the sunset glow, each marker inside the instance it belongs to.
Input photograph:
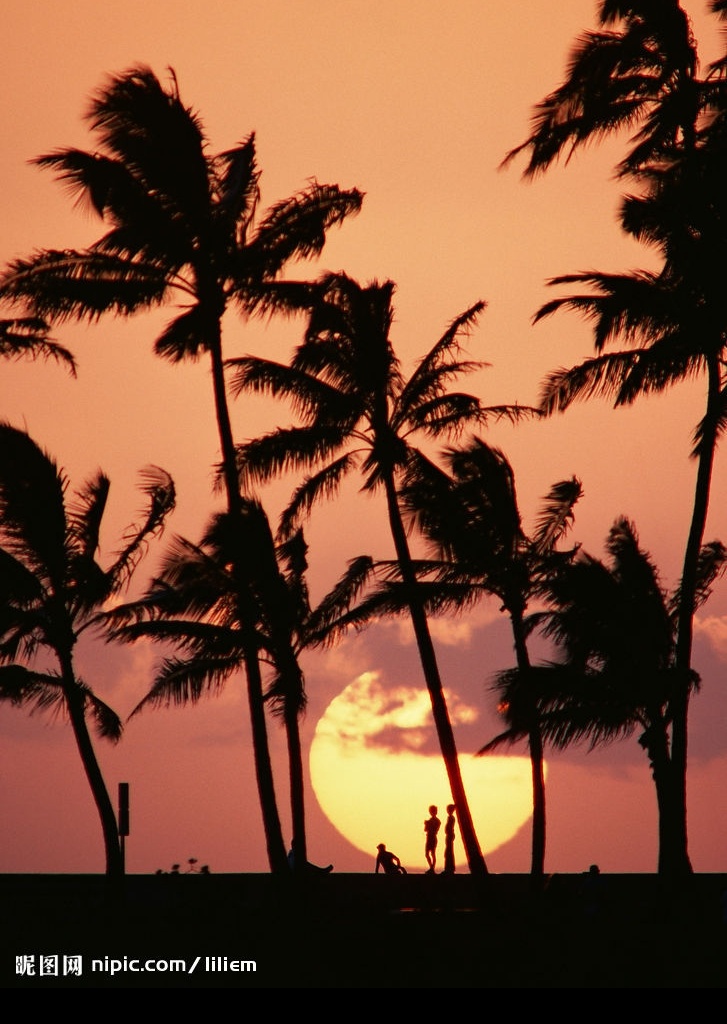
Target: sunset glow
(375, 787)
(414, 104)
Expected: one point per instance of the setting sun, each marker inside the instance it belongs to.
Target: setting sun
(374, 780)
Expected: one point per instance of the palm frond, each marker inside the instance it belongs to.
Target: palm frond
(68, 284)
(428, 499)
(36, 691)
(28, 336)
(285, 694)
(238, 185)
(85, 513)
(713, 424)
(90, 178)
(321, 625)
(181, 682)
(159, 489)
(186, 634)
(422, 386)
(509, 737)
(32, 511)
(638, 306)
(309, 396)
(295, 228)
(613, 79)
(440, 361)
(147, 127)
(446, 414)
(711, 566)
(286, 450)
(618, 376)
(19, 586)
(556, 516)
(323, 484)
(105, 720)
(141, 224)
(184, 337)
(266, 299)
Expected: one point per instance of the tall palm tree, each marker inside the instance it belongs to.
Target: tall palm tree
(52, 588)
(192, 605)
(644, 72)
(470, 515)
(182, 222)
(616, 629)
(359, 411)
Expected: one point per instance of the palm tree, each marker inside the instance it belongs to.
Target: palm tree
(638, 71)
(181, 222)
(52, 589)
(645, 74)
(616, 630)
(192, 604)
(358, 410)
(470, 515)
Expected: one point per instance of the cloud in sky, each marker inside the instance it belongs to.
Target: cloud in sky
(393, 718)
(714, 630)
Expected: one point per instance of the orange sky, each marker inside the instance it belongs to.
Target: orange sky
(417, 111)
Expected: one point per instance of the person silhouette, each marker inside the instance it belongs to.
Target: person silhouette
(449, 841)
(431, 829)
(388, 862)
(592, 891)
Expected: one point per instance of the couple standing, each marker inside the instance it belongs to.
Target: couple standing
(431, 830)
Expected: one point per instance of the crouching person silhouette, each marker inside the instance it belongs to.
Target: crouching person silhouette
(388, 862)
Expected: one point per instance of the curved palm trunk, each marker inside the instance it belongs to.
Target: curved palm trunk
(292, 677)
(77, 714)
(535, 745)
(675, 855)
(297, 786)
(655, 741)
(277, 857)
(428, 659)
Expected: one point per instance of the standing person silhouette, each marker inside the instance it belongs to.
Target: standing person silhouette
(449, 841)
(431, 828)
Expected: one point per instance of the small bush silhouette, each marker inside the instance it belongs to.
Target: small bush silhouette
(176, 869)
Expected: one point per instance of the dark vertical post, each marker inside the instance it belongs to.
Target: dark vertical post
(123, 820)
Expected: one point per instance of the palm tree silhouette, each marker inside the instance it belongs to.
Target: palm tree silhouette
(470, 515)
(616, 630)
(644, 73)
(181, 222)
(637, 71)
(53, 589)
(192, 605)
(359, 411)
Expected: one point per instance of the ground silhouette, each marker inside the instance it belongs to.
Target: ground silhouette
(449, 932)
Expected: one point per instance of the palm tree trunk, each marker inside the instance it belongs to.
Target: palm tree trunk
(275, 844)
(77, 713)
(428, 659)
(297, 785)
(655, 741)
(676, 856)
(537, 858)
(535, 745)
